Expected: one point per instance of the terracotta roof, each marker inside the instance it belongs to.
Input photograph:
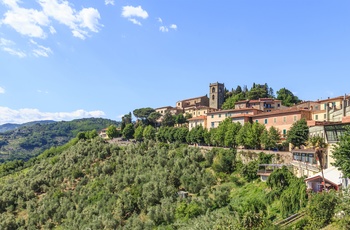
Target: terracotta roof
(234, 110)
(198, 118)
(282, 111)
(193, 98)
(334, 98)
(164, 107)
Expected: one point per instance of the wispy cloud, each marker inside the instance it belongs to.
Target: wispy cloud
(39, 50)
(135, 21)
(173, 26)
(109, 2)
(36, 23)
(26, 115)
(131, 13)
(166, 29)
(163, 29)
(8, 46)
(42, 91)
(2, 90)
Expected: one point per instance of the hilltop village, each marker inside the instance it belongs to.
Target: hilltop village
(325, 118)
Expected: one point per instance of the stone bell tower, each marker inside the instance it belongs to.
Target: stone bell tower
(216, 95)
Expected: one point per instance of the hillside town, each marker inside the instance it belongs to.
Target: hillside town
(325, 118)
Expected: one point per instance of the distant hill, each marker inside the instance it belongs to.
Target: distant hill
(11, 126)
(30, 139)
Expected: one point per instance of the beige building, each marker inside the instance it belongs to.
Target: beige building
(172, 110)
(237, 115)
(263, 104)
(196, 111)
(196, 121)
(282, 119)
(196, 101)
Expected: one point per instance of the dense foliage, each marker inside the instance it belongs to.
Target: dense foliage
(28, 141)
(258, 91)
(93, 184)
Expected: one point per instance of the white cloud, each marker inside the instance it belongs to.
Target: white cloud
(89, 19)
(2, 90)
(5, 42)
(173, 26)
(52, 30)
(27, 22)
(78, 22)
(34, 23)
(17, 53)
(39, 50)
(26, 115)
(6, 45)
(163, 29)
(109, 2)
(160, 20)
(130, 11)
(133, 20)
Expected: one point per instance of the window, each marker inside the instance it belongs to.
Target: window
(256, 121)
(295, 118)
(274, 120)
(316, 117)
(212, 125)
(325, 105)
(278, 105)
(284, 133)
(265, 121)
(213, 90)
(199, 113)
(284, 119)
(212, 116)
(324, 116)
(219, 115)
(213, 97)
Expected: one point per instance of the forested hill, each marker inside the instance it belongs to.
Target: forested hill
(11, 126)
(28, 141)
(91, 184)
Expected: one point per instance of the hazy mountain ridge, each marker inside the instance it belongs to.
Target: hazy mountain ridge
(31, 139)
(11, 126)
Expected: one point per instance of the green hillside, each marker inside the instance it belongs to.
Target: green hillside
(30, 140)
(91, 184)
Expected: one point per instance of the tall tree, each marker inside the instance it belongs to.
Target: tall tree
(138, 135)
(112, 132)
(128, 131)
(319, 145)
(126, 119)
(149, 133)
(287, 97)
(143, 114)
(298, 133)
(153, 118)
(168, 119)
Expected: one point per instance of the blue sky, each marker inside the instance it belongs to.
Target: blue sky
(64, 60)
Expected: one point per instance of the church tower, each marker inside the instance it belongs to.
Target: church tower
(216, 95)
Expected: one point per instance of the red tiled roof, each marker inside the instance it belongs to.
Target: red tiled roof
(198, 118)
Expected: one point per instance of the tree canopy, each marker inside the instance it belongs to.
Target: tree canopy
(298, 134)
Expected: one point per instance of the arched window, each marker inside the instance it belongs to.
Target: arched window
(213, 90)
(213, 97)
